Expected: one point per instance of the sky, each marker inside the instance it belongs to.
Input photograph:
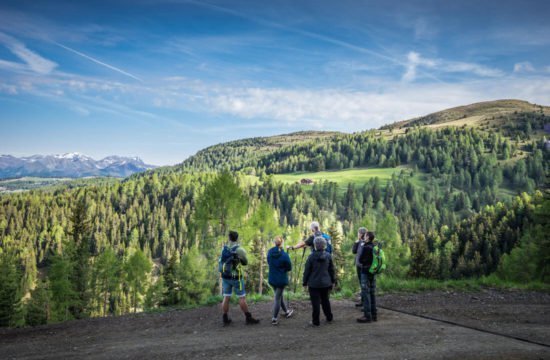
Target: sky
(163, 79)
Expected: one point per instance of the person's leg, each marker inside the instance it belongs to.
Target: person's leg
(277, 302)
(225, 304)
(241, 293)
(372, 287)
(243, 304)
(358, 269)
(365, 295)
(325, 302)
(283, 305)
(315, 304)
(227, 290)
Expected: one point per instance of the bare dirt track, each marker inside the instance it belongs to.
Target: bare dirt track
(198, 333)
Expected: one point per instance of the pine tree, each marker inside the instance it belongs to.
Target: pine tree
(38, 307)
(63, 294)
(10, 277)
(79, 251)
(137, 269)
(171, 281)
(193, 275)
(107, 274)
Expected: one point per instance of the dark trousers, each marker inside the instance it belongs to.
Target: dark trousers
(359, 279)
(368, 290)
(279, 301)
(320, 298)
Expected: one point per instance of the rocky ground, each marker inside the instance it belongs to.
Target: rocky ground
(198, 333)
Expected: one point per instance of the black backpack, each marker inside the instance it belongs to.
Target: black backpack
(229, 262)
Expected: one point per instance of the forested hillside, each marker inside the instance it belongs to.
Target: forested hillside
(463, 201)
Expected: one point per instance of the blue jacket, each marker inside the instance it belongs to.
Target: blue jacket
(279, 266)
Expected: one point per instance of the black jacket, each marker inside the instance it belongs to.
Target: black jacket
(319, 270)
(365, 256)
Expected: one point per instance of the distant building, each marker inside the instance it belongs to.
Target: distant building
(306, 181)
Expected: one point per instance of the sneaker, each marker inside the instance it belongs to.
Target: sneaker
(312, 325)
(289, 313)
(364, 319)
(274, 322)
(251, 321)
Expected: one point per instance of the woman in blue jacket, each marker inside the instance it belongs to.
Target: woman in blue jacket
(279, 266)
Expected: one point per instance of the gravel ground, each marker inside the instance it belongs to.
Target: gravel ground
(198, 333)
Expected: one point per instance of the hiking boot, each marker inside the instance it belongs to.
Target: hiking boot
(226, 320)
(250, 320)
(289, 313)
(312, 325)
(274, 322)
(374, 318)
(359, 305)
(364, 320)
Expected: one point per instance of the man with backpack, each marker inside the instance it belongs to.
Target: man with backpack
(361, 240)
(232, 259)
(364, 260)
(316, 231)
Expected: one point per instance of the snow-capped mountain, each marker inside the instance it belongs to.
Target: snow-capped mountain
(73, 165)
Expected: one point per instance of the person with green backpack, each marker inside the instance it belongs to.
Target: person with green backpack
(230, 264)
(370, 258)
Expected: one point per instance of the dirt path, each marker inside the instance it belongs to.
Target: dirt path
(198, 334)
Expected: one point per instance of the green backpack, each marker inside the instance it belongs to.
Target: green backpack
(378, 260)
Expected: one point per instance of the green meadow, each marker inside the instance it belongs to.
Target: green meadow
(356, 176)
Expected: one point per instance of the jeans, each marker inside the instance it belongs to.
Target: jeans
(359, 279)
(320, 297)
(228, 285)
(368, 289)
(279, 301)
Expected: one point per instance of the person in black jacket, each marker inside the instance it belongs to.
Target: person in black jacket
(368, 280)
(361, 239)
(319, 277)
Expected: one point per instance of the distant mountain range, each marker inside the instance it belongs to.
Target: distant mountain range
(72, 165)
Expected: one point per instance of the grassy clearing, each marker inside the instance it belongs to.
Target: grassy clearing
(358, 176)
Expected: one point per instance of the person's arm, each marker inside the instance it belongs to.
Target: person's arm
(300, 245)
(241, 253)
(331, 271)
(307, 271)
(355, 247)
(289, 263)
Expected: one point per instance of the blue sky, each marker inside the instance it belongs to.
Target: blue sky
(163, 79)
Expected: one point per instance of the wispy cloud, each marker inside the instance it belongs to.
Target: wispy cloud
(114, 68)
(523, 67)
(415, 61)
(309, 34)
(33, 60)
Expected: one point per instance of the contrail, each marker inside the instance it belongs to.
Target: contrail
(98, 62)
(306, 33)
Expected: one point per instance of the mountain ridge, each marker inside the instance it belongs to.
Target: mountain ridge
(71, 165)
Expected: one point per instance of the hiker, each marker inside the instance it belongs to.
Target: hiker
(316, 231)
(279, 266)
(361, 240)
(232, 259)
(368, 280)
(319, 277)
